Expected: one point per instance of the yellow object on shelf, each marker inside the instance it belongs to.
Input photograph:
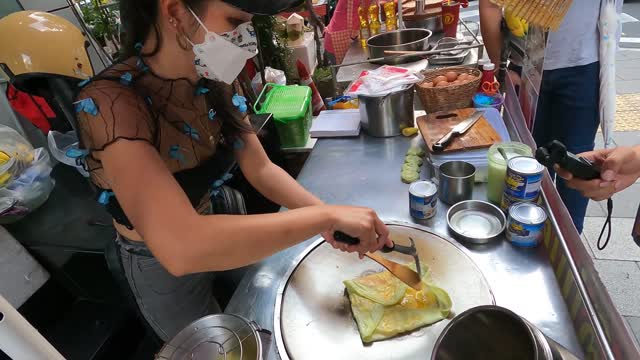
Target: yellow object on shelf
(409, 131)
(374, 20)
(391, 20)
(364, 26)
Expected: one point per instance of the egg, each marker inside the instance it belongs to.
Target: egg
(451, 76)
(427, 84)
(456, 82)
(462, 77)
(442, 83)
(439, 79)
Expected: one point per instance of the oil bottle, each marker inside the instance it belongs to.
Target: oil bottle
(391, 21)
(364, 25)
(374, 19)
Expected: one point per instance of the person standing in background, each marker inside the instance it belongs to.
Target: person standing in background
(342, 31)
(568, 106)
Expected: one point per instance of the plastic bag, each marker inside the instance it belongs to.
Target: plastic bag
(25, 176)
(382, 81)
(271, 75)
(64, 147)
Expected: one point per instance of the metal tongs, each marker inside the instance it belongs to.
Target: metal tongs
(406, 275)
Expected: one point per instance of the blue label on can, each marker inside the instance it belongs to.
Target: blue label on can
(524, 235)
(521, 186)
(422, 207)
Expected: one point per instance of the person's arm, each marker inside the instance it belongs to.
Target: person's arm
(490, 23)
(186, 242)
(269, 179)
(619, 169)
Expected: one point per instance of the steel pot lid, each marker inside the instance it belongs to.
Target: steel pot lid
(213, 337)
(313, 320)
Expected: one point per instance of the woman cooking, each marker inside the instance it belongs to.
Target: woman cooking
(151, 126)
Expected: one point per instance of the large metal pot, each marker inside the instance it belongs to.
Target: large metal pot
(493, 332)
(220, 336)
(399, 40)
(387, 115)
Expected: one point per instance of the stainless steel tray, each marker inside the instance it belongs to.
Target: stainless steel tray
(312, 318)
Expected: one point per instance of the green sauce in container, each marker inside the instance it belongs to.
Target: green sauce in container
(498, 167)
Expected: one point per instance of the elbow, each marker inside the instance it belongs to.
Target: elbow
(171, 247)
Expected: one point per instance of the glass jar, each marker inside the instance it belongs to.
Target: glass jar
(498, 167)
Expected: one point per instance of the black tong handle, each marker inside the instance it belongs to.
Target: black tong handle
(350, 240)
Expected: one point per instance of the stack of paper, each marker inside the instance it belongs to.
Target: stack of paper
(336, 123)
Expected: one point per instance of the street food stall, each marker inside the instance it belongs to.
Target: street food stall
(499, 286)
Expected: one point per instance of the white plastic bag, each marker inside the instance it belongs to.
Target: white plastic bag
(271, 75)
(382, 81)
(26, 176)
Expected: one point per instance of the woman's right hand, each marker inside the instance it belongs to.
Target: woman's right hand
(359, 222)
(619, 167)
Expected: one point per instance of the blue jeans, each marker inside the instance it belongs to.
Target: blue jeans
(568, 111)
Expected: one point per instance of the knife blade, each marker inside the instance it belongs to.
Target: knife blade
(457, 130)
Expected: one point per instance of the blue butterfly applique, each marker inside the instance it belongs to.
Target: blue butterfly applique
(75, 153)
(212, 114)
(189, 130)
(201, 90)
(126, 78)
(105, 196)
(87, 105)
(141, 65)
(175, 152)
(240, 102)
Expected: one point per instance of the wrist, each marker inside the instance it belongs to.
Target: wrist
(329, 216)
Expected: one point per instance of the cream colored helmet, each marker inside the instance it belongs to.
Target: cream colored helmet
(36, 45)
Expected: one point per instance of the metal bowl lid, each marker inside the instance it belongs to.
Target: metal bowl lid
(525, 165)
(527, 213)
(423, 188)
(220, 336)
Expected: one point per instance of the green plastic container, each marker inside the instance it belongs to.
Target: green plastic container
(291, 109)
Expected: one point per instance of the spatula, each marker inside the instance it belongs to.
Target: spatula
(400, 271)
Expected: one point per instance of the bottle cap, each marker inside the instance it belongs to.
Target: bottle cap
(482, 62)
(489, 67)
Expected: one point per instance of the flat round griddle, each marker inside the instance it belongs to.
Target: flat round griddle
(313, 315)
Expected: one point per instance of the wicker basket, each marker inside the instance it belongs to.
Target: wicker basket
(450, 97)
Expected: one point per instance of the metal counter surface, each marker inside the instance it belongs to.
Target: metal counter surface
(365, 171)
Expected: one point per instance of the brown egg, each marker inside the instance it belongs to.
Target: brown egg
(427, 84)
(442, 83)
(451, 76)
(462, 77)
(439, 79)
(456, 82)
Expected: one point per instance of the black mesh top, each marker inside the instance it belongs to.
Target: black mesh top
(183, 121)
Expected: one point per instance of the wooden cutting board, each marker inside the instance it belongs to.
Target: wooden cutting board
(434, 126)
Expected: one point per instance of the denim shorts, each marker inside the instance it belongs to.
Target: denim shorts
(168, 303)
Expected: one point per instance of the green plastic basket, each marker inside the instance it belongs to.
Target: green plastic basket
(291, 109)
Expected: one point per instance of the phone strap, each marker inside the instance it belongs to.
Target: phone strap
(607, 226)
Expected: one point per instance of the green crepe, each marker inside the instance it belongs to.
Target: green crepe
(384, 307)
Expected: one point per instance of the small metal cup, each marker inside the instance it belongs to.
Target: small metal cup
(456, 180)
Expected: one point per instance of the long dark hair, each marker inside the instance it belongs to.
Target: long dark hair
(139, 19)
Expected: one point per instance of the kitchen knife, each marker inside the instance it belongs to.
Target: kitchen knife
(457, 130)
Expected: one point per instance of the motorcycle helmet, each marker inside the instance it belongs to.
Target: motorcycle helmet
(38, 45)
